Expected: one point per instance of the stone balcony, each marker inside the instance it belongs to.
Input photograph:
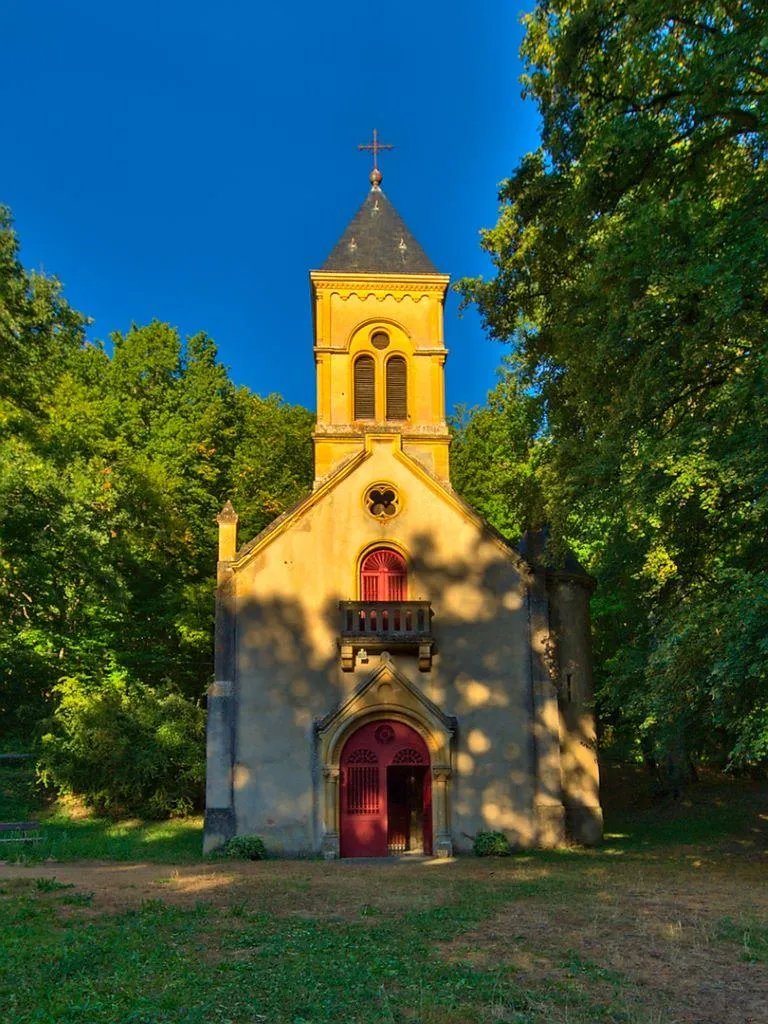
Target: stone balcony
(397, 626)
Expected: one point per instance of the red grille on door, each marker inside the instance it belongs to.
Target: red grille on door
(363, 790)
(383, 576)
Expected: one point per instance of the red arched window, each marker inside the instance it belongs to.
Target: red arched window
(383, 576)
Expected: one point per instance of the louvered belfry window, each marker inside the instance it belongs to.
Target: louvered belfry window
(365, 395)
(397, 389)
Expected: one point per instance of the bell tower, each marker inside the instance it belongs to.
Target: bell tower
(378, 341)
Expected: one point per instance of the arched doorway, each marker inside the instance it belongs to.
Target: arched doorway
(383, 576)
(386, 792)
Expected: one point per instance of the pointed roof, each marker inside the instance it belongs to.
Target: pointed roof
(377, 241)
(227, 514)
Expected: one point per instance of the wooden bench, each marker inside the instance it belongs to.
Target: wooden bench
(23, 827)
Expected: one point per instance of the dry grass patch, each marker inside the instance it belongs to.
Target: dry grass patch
(577, 939)
(311, 889)
(654, 932)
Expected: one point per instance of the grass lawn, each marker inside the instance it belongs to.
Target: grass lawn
(668, 922)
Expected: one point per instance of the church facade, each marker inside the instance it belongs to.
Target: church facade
(392, 675)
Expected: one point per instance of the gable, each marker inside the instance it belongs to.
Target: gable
(302, 571)
(387, 692)
(428, 506)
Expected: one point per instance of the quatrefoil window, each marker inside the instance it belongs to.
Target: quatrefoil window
(382, 501)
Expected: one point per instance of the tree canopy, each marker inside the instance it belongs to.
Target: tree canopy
(631, 279)
(112, 470)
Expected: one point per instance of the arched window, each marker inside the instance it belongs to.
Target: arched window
(383, 576)
(365, 393)
(397, 389)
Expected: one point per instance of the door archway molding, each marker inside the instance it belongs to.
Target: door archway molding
(387, 694)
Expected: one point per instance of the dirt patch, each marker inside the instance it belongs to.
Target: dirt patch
(654, 937)
(310, 889)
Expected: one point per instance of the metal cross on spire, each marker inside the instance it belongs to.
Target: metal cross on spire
(376, 148)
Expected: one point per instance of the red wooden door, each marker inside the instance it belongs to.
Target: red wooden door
(365, 760)
(383, 576)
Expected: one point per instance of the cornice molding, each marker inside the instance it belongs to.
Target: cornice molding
(350, 432)
(408, 284)
(433, 350)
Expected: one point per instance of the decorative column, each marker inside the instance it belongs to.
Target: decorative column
(331, 845)
(220, 824)
(442, 842)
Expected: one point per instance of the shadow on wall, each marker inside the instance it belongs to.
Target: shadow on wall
(287, 671)
(484, 678)
(290, 676)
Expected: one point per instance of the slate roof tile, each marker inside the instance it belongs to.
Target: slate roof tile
(377, 241)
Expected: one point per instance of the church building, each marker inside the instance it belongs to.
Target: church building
(392, 675)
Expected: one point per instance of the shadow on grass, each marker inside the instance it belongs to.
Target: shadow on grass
(65, 837)
(716, 813)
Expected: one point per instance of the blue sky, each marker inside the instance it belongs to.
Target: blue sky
(193, 161)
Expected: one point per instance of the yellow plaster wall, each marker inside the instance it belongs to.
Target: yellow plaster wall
(349, 309)
(288, 669)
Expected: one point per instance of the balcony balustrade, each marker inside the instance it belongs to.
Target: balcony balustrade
(386, 625)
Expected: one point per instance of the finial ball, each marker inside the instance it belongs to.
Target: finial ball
(376, 177)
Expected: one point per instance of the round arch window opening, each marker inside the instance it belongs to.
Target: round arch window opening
(380, 340)
(382, 501)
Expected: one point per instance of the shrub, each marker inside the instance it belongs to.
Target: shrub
(491, 844)
(244, 848)
(123, 747)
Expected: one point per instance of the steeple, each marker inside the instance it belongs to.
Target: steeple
(379, 348)
(377, 241)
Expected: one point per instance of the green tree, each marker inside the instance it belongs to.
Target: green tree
(123, 747)
(112, 470)
(272, 466)
(38, 331)
(631, 260)
(40, 338)
(496, 455)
